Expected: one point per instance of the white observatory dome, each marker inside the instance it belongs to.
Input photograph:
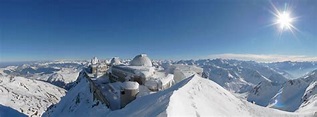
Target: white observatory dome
(115, 61)
(141, 60)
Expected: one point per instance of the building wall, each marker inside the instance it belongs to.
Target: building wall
(127, 96)
(138, 79)
(97, 94)
(120, 75)
(167, 85)
(93, 69)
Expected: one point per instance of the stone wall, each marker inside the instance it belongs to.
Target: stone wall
(97, 94)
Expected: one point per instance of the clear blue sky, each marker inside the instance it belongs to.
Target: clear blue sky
(164, 29)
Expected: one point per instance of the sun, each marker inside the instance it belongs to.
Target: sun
(284, 20)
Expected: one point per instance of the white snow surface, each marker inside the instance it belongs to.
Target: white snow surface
(78, 102)
(309, 100)
(27, 96)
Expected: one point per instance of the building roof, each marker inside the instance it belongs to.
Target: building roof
(141, 60)
(130, 85)
(139, 70)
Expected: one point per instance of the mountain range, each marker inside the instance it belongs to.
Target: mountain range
(226, 88)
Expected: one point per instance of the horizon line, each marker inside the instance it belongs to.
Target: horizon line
(266, 58)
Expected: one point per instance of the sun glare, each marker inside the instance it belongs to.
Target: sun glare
(284, 20)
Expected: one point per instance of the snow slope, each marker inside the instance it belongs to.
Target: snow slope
(263, 93)
(78, 102)
(296, 95)
(27, 96)
(289, 96)
(200, 97)
(194, 96)
(309, 100)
